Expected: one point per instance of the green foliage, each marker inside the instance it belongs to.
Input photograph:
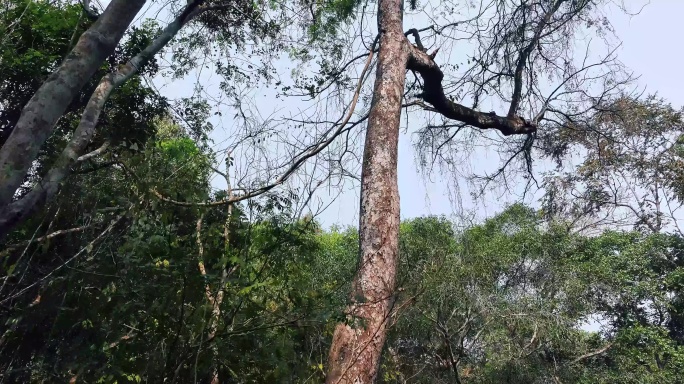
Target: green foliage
(35, 38)
(125, 287)
(498, 302)
(504, 302)
(329, 15)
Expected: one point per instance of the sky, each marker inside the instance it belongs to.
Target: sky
(648, 49)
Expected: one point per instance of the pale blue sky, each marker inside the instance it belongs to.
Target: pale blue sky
(649, 49)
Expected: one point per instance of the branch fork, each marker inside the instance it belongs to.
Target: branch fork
(433, 93)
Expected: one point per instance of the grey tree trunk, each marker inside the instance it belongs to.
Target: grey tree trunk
(40, 114)
(357, 344)
(16, 212)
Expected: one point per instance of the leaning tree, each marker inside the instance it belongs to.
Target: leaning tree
(232, 24)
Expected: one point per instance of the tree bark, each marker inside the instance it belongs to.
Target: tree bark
(16, 212)
(47, 105)
(357, 343)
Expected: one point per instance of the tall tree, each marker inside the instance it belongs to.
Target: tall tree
(516, 40)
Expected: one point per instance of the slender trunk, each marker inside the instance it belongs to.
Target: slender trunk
(217, 299)
(216, 313)
(357, 343)
(216, 316)
(214, 300)
(47, 105)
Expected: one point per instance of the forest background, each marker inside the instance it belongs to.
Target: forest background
(190, 215)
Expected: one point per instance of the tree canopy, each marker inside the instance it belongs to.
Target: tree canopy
(163, 166)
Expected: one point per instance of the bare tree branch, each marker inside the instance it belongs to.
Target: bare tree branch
(433, 93)
(79, 253)
(591, 354)
(296, 163)
(525, 54)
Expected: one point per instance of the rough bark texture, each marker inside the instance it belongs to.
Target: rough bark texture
(357, 345)
(40, 114)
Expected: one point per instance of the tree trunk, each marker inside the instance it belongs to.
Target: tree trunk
(357, 343)
(16, 212)
(41, 113)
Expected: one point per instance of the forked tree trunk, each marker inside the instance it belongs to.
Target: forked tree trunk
(47, 105)
(15, 213)
(357, 344)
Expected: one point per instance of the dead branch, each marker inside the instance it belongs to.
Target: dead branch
(433, 93)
